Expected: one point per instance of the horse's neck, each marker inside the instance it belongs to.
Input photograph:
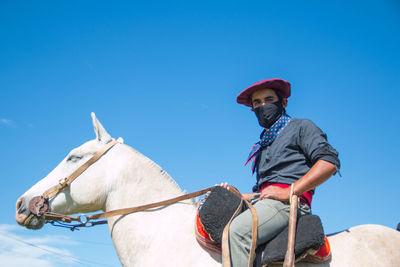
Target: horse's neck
(161, 237)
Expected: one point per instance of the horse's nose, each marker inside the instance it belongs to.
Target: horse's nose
(20, 211)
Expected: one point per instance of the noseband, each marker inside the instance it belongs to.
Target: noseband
(39, 205)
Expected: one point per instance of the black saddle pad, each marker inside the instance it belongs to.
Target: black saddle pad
(309, 234)
(219, 207)
(217, 210)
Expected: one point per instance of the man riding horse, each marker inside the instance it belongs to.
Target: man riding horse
(290, 151)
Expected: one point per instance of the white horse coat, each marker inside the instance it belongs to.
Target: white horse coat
(164, 236)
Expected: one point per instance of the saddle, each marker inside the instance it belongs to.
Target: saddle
(311, 245)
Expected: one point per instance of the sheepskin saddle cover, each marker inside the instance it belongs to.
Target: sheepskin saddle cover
(219, 207)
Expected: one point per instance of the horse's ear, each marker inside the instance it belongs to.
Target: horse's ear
(101, 134)
(120, 140)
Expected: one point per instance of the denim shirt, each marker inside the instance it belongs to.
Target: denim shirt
(300, 144)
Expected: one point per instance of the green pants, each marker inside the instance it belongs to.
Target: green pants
(273, 217)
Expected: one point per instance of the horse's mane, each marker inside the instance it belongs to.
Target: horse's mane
(157, 167)
(162, 172)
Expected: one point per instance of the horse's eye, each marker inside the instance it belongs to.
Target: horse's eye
(74, 158)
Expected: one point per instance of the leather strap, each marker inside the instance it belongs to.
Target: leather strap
(254, 218)
(148, 206)
(66, 218)
(226, 259)
(65, 182)
(290, 255)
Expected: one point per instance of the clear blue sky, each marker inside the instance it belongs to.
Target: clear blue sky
(164, 75)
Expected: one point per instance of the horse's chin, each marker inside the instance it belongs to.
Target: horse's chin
(34, 222)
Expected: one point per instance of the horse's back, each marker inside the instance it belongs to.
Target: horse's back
(364, 245)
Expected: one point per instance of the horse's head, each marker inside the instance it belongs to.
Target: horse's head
(85, 194)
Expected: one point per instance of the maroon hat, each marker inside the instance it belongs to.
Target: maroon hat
(280, 86)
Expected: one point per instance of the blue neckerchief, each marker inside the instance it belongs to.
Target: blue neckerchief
(267, 137)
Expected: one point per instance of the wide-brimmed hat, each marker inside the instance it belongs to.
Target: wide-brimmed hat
(280, 86)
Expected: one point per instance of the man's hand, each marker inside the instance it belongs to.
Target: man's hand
(277, 193)
(224, 185)
(245, 196)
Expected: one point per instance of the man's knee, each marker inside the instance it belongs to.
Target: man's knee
(239, 229)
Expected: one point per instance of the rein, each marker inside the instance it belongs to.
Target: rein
(84, 220)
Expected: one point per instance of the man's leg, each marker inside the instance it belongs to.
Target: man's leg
(273, 217)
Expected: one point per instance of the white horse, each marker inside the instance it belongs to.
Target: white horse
(124, 178)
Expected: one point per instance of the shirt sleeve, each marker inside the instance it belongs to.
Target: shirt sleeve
(315, 145)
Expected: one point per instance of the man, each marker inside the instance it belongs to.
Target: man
(290, 151)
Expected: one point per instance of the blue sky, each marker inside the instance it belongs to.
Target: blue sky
(164, 75)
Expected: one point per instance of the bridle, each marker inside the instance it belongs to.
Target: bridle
(39, 205)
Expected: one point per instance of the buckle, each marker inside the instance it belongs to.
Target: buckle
(63, 182)
(38, 205)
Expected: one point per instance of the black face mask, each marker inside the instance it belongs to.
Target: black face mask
(268, 114)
